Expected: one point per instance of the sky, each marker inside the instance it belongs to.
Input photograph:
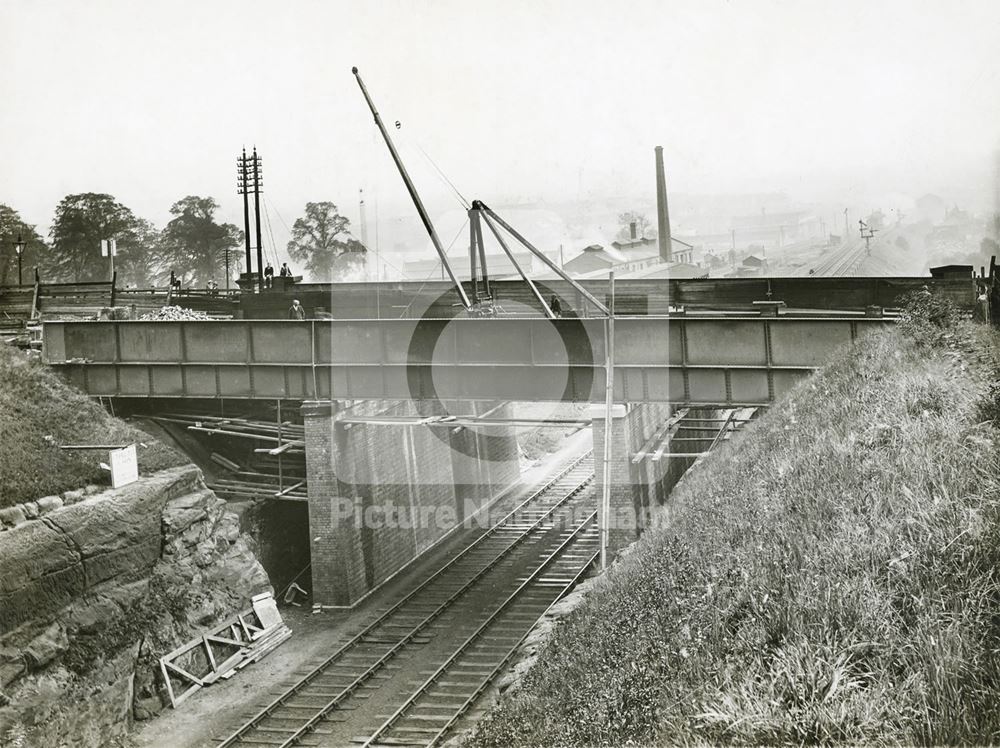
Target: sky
(519, 100)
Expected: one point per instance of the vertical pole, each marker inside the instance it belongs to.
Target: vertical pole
(378, 259)
(256, 213)
(246, 212)
(478, 229)
(281, 482)
(473, 275)
(227, 268)
(378, 269)
(609, 386)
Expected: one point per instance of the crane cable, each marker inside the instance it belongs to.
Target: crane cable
(427, 279)
(461, 198)
(274, 247)
(412, 142)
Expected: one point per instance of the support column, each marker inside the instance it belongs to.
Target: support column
(335, 518)
(623, 518)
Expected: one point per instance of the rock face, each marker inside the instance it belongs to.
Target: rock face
(96, 587)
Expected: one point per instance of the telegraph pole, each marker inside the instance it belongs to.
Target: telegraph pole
(241, 189)
(256, 213)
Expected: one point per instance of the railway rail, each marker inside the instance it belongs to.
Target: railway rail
(528, 559)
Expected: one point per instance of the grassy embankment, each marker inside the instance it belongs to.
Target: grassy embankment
(38, 412)
(831, 577)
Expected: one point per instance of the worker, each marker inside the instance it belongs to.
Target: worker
(555, 306)
(268, 275)
(296, 311)
(285, 272)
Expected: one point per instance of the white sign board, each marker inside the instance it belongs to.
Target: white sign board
(124, 466)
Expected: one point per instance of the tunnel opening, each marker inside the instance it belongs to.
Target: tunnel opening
(280, 529)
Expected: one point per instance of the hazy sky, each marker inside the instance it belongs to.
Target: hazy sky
(151, 101)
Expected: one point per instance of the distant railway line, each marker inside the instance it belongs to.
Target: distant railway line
(464, 623)
(845, 261)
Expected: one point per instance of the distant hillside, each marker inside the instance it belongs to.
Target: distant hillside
(39, 412)
(831, 577)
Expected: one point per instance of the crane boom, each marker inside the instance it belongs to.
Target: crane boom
(413, 194)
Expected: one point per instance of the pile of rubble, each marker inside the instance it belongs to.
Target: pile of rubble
(169, 313)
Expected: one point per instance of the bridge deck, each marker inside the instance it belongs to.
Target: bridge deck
(413, 299)
(707, 359)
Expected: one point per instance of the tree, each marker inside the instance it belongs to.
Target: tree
(194, 246)
(321, 241)
(625, 221)
(81, 222)
(137, 261)
(11, 227)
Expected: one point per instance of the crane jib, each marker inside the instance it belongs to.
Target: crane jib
(413, 194)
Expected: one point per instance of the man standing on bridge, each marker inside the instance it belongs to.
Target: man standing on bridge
(296, 311)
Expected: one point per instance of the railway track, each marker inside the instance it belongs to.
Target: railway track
(525, 561)
(438, 704)
(843, 261)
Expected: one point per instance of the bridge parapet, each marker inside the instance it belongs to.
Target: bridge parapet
(710, 359)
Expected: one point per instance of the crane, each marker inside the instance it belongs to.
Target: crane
(482, 302)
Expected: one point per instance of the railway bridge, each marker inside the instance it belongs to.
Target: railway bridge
(410, 418)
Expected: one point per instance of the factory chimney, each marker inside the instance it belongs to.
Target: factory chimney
(662, 214)
(363, 221)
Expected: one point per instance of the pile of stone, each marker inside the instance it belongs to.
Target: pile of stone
(173, 313)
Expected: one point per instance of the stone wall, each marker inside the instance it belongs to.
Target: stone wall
(94, 592)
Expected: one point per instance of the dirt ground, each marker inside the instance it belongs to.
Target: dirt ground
(214, 712)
